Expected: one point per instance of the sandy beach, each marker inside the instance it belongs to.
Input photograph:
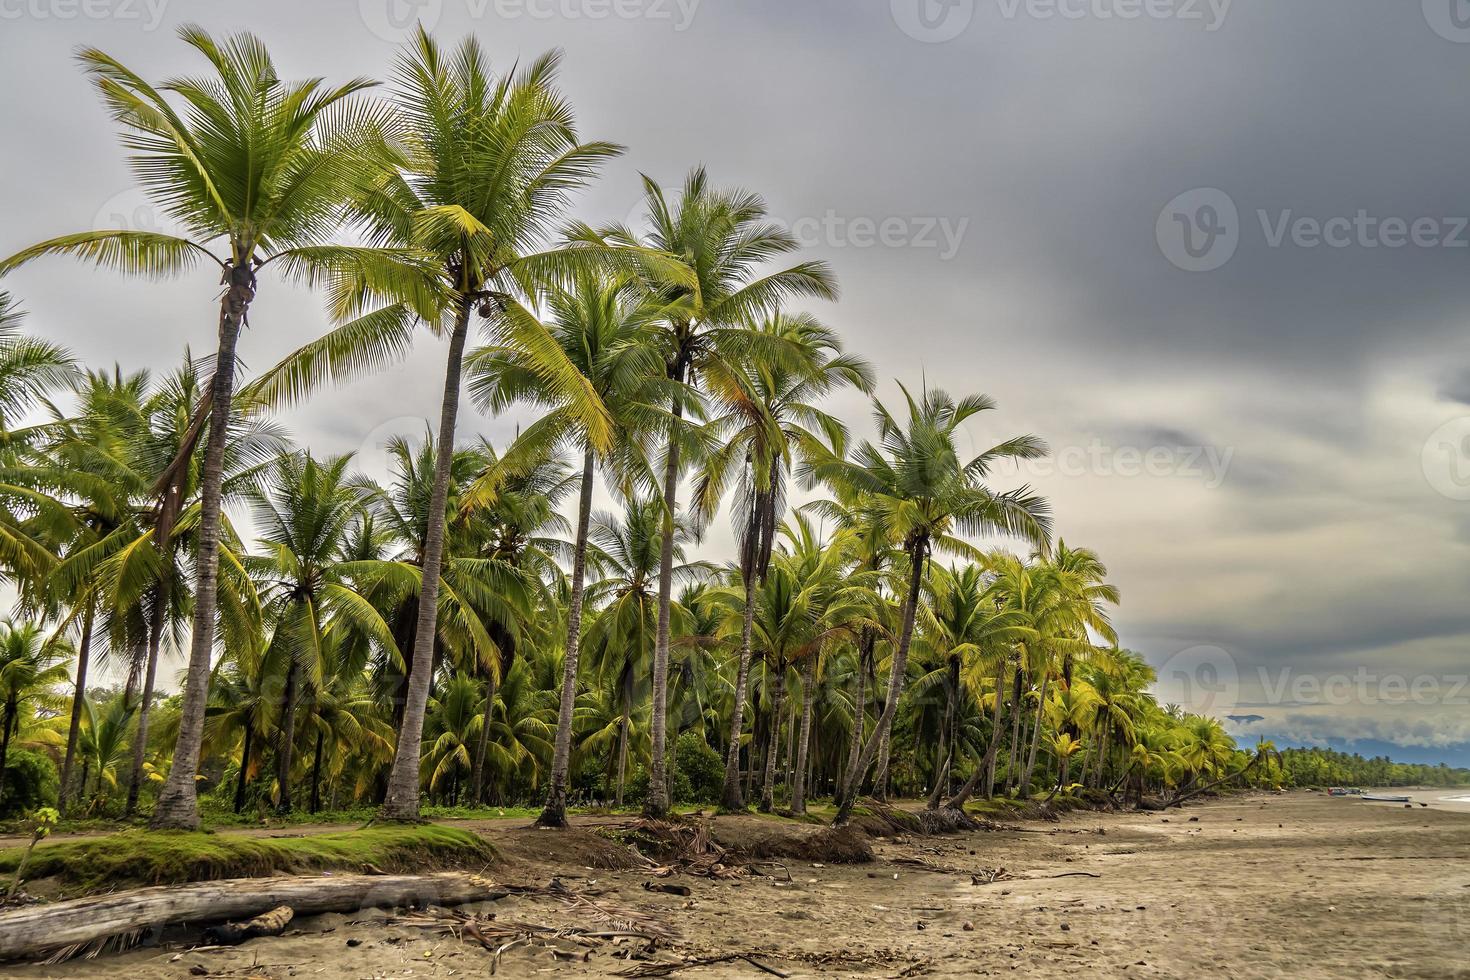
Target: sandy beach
(1266, 885)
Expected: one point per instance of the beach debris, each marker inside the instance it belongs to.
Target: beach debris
(271, 923)
(666, 969)
(668, 889)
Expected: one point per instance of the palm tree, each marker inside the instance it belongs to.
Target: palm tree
(620, 641)
(605, 328)
(964, 621)
(304, 514)
(723, 237)
(30, 664)
(922, 494)
(261, 166)
(29, 368)
(481, 170)
(767, 411)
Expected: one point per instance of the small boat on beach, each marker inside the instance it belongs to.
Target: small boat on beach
(1384, 798)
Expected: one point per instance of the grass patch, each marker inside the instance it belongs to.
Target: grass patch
(151, 857)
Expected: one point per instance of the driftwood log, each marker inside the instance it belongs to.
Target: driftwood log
(37, 929)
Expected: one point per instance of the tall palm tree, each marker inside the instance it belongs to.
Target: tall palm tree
(259, 166)
(923, 494)
(724, 238)
(605, 327)
(766, 414)
(480, 170)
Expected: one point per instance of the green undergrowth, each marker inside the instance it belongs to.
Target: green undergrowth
(146, 857)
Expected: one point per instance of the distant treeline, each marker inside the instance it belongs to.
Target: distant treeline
(1326, 767)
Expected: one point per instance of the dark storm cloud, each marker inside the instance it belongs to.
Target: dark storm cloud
(994, 206)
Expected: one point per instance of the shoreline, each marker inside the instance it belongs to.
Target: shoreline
(1254, 885)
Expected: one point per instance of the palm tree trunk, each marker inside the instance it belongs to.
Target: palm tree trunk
(316, 774)
(244, 762)
(178, 805)
(1017, 691)
(897, 674)
(140, 736)
(622, 757)
(945, 757)
(287, 742)
(74, 730)
(656, 805)
(773, 738)
(554, 813)
(985, 768)
(477, 773)
(1035, 738)
(880, 772)
(859, 709)
(402, 801)
(732, 797)
(803, 741)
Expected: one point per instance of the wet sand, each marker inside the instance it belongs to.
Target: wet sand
(1296, 884)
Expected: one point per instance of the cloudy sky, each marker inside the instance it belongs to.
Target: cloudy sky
(1213, 252)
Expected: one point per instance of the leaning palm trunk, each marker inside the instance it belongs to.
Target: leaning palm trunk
(482, 749)
(732, 798)
(859, 710)
(402, 799)
(178, 807)
(773, 738)
(1035, 739)
(74, 730)
(554, 814)
(944, 761)
(985, 768)
(896, 675)
(244, 761)
(656, 805)
(140, 736)
(803, 741)
(1017, 694)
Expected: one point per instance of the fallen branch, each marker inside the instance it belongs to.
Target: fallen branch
(72, 926)
(667, 969)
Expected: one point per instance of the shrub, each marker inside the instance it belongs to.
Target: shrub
(703, 768)
(30, 782)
